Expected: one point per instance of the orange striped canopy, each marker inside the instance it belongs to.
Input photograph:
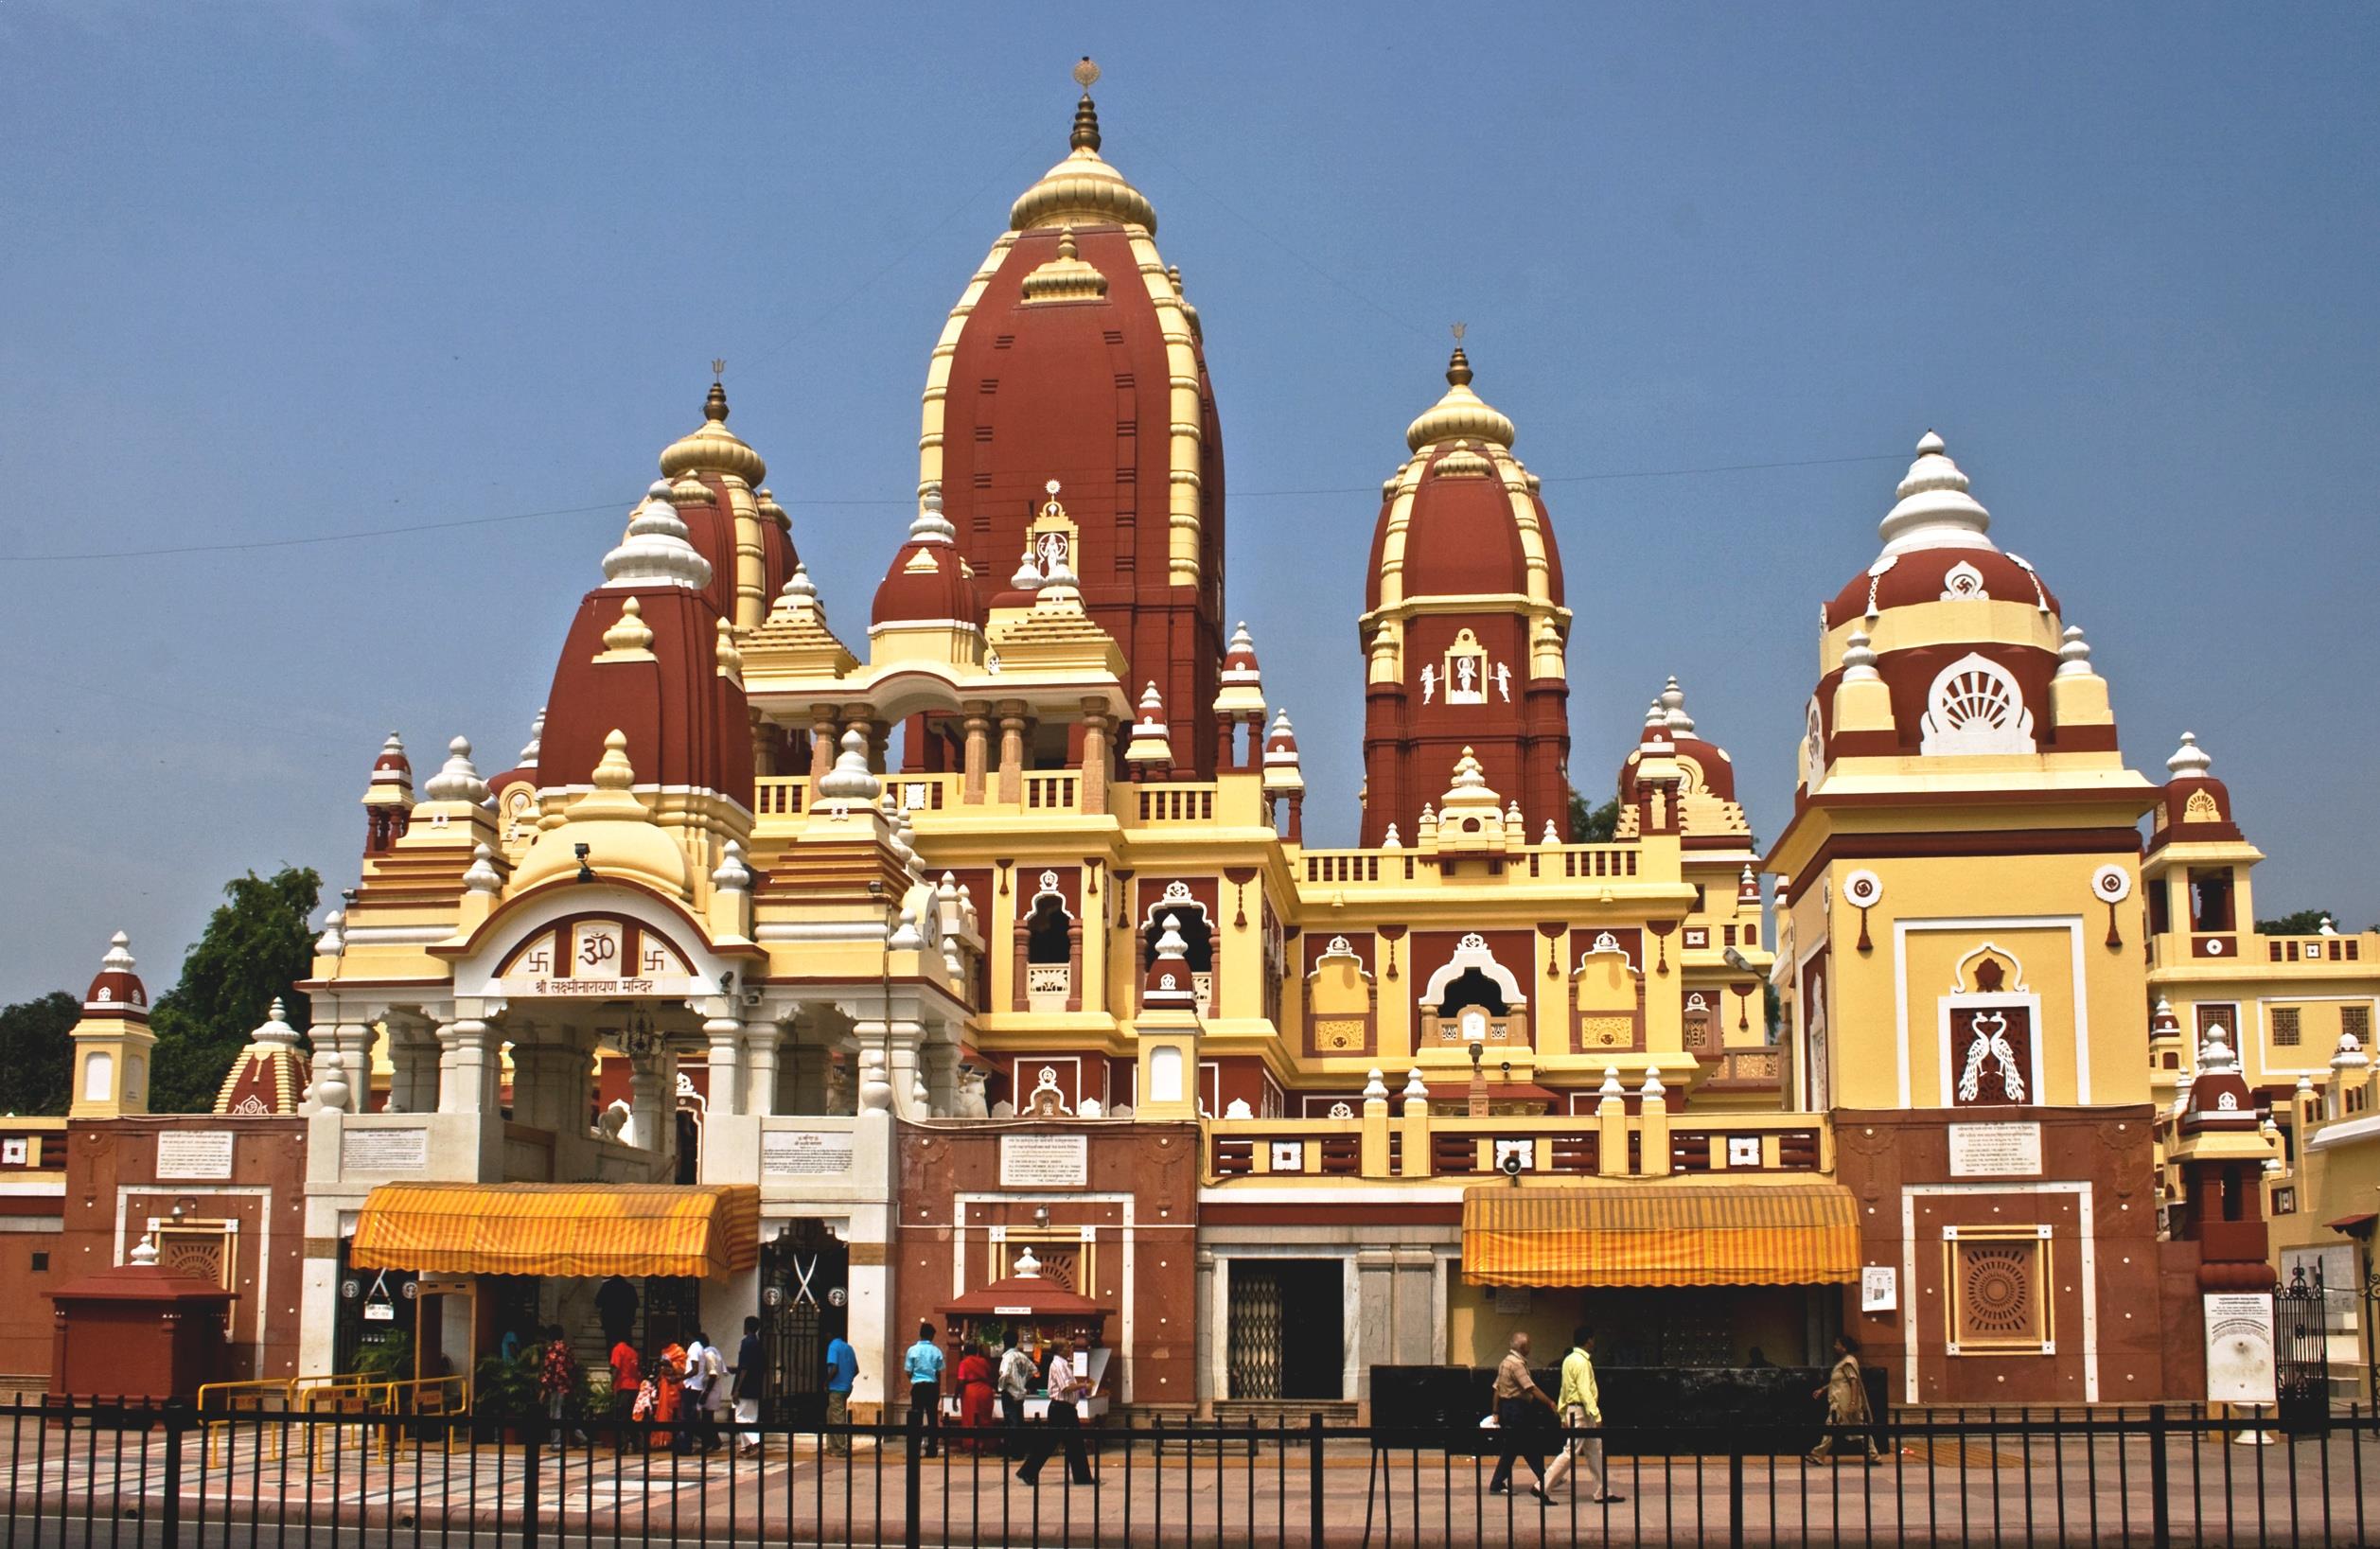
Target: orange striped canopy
(572, 1229)
(1657, 1234)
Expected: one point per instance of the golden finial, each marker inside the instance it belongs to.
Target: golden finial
(1458, 368)
(1086, 135)
(714, 406)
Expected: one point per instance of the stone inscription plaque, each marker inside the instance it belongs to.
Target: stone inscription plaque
(1995, 1150)
(1045, 1161)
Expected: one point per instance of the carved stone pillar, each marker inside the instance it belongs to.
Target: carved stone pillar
(648, 1123)
(1095, 756)
(725, 1035)
(976, 761)
(760, 1067)
(823, 736)
(1013, 724)
(466, 1068)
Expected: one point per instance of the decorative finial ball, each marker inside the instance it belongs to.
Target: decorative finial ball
(1086, 74)
(1051, 487)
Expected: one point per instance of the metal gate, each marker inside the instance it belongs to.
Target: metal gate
(2301, 1366)
(804, 1272)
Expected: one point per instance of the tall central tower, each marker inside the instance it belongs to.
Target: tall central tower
(1073, 359)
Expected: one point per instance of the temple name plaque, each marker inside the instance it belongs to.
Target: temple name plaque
(384, 1151)
(804, 1154)
(1045, 1161)
(1995, 1150)
(194, 1153)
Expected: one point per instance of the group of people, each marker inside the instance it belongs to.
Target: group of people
(679, 1395)
(1578, 1409)
(991, 1377)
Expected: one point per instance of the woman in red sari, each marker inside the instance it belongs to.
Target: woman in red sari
(974, 1392)
(669, 1381)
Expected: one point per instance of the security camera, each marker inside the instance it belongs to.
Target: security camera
(1737, 960)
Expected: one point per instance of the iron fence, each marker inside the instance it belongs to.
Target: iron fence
(133, 1474)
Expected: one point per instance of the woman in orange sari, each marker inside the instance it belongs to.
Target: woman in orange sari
(669, 1381)
(974, 1392)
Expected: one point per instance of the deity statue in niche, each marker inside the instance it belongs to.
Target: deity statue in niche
(1466, 671)
(1050, 551)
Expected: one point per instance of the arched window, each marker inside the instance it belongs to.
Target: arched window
(1472, 988)
(1048, 931)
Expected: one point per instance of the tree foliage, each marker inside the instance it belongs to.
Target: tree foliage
(256, 946)
(36, 1064)
(2304, 922)
(1592, 825)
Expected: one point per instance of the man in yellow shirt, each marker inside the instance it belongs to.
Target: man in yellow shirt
(1581, 1414)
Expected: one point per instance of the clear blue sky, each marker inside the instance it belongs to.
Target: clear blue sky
(282, 271)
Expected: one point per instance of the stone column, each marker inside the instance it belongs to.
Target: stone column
(976, 759)
(412, 1058)
(1095, 756)
(824, 739)
(725, 1034)
(942, 1076)
(1013, 724)
(648, 1115)
(760, 1040)
(466, 1075)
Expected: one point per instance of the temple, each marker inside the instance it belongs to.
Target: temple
(845, 958)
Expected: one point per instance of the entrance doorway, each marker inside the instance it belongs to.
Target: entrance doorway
(803, 1274)
(1288, 1331)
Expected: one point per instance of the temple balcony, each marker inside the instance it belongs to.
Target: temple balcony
(1458, 1146)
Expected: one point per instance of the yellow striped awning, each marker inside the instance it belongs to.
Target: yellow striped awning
(1799, 1234)
(578, 1229)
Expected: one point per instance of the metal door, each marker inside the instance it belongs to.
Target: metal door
(804, 1274)
(2302, 1370)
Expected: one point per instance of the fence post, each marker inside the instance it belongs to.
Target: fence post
(1314, 1477)
(2161, 1514)
(1736, 1495)
(529, 1525)
(912, 1489)
(171, 1519)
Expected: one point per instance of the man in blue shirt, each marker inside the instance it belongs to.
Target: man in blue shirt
(924, 1362)
(843, 1370)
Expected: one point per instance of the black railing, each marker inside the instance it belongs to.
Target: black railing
(90, 1473)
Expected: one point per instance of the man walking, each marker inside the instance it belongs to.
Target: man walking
(843, 1370)
(924, 1364)
(1582, 1415)
(694, 1422)
(1517, 1397)
(1014, 1382)
(751, 1376)
(628, 1375)
(1068, 1387)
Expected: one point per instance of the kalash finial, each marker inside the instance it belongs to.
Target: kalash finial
(1086, 137)
(715, 407)
(1458, 368)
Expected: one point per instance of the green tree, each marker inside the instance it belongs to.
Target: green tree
(256, 946)
(2304, 922)
(1592, 825)
(35, 1059)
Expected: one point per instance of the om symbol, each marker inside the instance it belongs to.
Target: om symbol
(599, 949)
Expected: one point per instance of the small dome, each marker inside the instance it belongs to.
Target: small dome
(928, 582)
(1935, 508)
(711, 448)
(1083, 189)
(116, 990)
(1460, 413)
(1710, 769)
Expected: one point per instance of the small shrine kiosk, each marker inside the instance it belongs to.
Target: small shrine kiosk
(1035, 1311)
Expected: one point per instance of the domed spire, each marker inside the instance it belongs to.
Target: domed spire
(116, 990)
(1027, 577)
(1151, 739)
(711, 448)
(391, 776)
(2190, 760)
(458, 780)
(2074, 654)
(1281, 772)
(1065, 278)
(655, 551)
(1935, 510)
(1673, 709)
(1460, 413)
(930, 525)
(851, 780)
(527, 757)
(1169, 985)
(1082, 188)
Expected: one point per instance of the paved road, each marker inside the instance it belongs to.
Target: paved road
(2007, 1491)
